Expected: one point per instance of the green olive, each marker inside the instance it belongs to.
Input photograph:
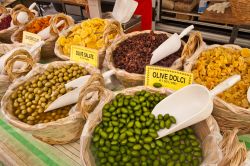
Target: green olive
(20, 116)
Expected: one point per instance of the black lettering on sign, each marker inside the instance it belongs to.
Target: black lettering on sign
(32, 38)
(177, 79)
(160, 75)
(79, 53)
(86, 55)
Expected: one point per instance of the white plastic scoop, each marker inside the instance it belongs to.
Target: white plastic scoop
(45, 33)
(170, 46)
(19, 65)
(124, 10)
(72, 96)
(190, 105)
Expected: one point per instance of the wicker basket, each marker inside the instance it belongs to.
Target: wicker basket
(63, 130)
(110, 27)
(184, 6)
(134, 79)
(241, 9)
(5, 34)
(15, 54)
(228, 116)
(48, 48)
(215, 149)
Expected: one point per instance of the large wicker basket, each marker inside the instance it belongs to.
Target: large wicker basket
(48, 48)
(63, 130)
(5, 34)
(134, 79)
(15, 52)
(110, 27)
(241, 9)
(228, 115)
(216, 150)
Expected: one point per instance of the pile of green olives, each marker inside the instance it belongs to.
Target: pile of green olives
(128, 131)
(31, 98)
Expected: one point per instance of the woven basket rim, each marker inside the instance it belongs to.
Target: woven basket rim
(218, 101)
(115, 44)
(65, 33)
(39, 69)
(22, 28)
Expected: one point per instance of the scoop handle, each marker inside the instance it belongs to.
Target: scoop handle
(36, 46)
(225, 85)
(108, 74)
(32, 6)
(186, 31)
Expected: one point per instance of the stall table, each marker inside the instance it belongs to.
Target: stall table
(18, 148)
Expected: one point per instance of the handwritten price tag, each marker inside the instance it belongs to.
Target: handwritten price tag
(83, 54)
(30, 38)
(168, 78)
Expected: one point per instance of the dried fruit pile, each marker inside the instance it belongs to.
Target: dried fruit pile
(135, 53)
(89, 34)
(217, 64)
(5, 22)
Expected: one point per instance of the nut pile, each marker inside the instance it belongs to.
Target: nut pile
(33, 97)
(128, 131)
(135, 53)
(217, 64)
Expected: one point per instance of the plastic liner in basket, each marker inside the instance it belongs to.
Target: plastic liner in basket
(61, 131)
(133, 79)
(207, 131)
(10, 70)
(228, 115)
(47, 49)
(111, 26)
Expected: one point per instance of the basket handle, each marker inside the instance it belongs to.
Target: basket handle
(87, 99)
(112, 26)
(58, 17)
(21, 56)
(20, 8)
(194, 42)
(234, 152)
(3, 10)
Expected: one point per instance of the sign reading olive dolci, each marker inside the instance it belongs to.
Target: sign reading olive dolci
(165, 77)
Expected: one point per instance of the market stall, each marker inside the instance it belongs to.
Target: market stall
(98, 93)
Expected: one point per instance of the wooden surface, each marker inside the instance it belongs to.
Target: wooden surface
(226, 18)
(77, 2)
(7, 2)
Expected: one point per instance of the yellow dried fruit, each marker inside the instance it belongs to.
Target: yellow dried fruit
(87, 34)
(215, 65)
